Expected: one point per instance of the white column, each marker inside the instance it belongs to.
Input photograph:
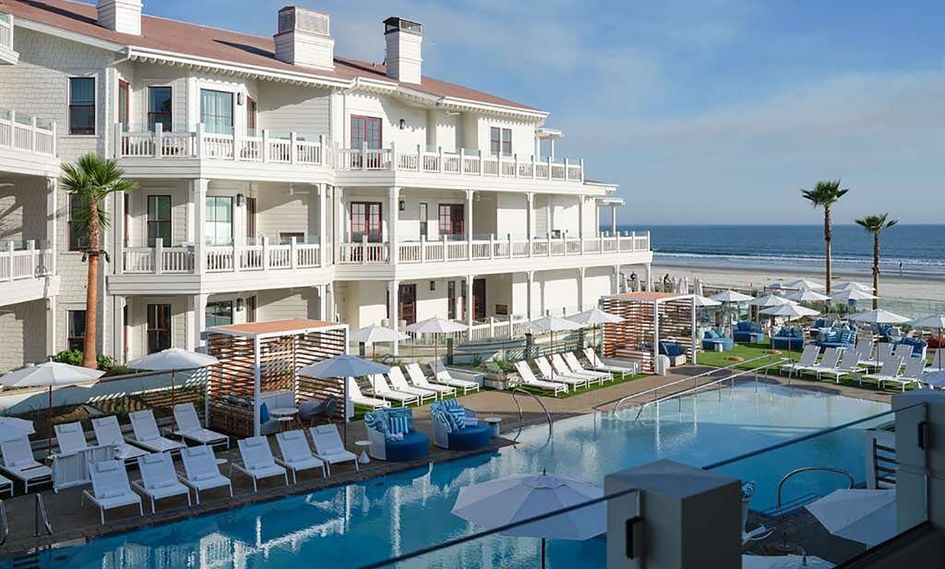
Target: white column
(198, 310)
(393, 219)
(52, 227)
(322, 291)
(530, 279)
(198, 196)
(580, 299)
(694, 335)
(339, 221)
(118, 241)
(615, 287)
(118, 328)
(393, 292)
(551, 148)
(530, 213)
(656, 333)
(52, 335)
(322, 231)
(581, 219)
(613, 220)
(330, 305)
(257, 385)
(470, 195)
(648, 277)
(469, 300)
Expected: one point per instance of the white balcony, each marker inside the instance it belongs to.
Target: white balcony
(7, 55)
(25, 272)
(221, 259)
(27, 144)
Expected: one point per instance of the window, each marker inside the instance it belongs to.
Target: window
(219, 313)
(365, 131)
(76, 338)
(424, 217)
(500, 140)
(366, 222)
(82, 105)
(159, 327)
(219, 224)
(78, 239)
(451, 220)
(160, 108)
(216, 111)
(159, 220)
(250, 116)
(124, 98)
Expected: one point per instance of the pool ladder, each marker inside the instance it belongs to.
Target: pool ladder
(41, 525)
(521, 412)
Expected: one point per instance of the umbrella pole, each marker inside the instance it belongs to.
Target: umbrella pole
(542, 553)
(173, 372)
(49, 426)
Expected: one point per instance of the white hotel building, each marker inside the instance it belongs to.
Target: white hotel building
(277, 180)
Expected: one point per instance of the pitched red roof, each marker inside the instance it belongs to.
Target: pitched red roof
(223, 45)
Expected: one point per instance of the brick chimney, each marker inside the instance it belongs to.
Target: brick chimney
(120, 15)
(403, 58)
(304, 38)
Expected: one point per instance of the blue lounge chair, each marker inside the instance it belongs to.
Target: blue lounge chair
(748, 332)
(711, 338)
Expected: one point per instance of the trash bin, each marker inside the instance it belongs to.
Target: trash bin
(662, 364)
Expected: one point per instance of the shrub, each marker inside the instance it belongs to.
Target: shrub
(74, 357)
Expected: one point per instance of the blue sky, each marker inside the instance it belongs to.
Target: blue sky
(715, 111)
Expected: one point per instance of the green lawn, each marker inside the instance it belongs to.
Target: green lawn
(741, 353)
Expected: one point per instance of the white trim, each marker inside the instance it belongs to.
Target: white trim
(94, 76)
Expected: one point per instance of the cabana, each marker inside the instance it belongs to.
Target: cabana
(649, 319)
(259, 362)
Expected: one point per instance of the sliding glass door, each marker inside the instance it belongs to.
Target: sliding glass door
(216, 111)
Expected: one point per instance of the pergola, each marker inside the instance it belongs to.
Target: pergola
(649, 318)
(262, 357)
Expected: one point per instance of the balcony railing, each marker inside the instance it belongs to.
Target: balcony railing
(27, 262)
(476, 164)
(6, 32)
(486, 249)
(221, 259)
(201, 144)
(20, 131)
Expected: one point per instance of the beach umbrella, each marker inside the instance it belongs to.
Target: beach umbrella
(804, 284)
(807, 295)
(373, 334)
(50, 375)
(790, 311)
(865, 516)
(343, 366)
(775, 285)
(936, 322)
(173, 360)
(854, 294)
(436, 326)
(769, 301)
(520, 497)
(703, 301)
(849, 285)
(879, 316)
(12, 428)
(732, 297)
(595, 318)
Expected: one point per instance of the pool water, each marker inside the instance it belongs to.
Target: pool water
(374, 520)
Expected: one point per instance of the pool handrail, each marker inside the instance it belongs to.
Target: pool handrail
(805, 469)
(521, 413)
(41, 523)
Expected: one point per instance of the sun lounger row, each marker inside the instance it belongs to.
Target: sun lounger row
(561, 373)
(836, 363)
(415, 387)
(111, 487)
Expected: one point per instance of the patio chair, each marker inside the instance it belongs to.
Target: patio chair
(903, 350)
(529, 380)
(110, 488)
(399, 382)
(420, 380)
(560, 366)
(380, 388)
(70, 438)
(911, 375)
(888, 369)
(296, 454)
(6, 486)
(548, 373)
(147, 434)
(828, 361)
(258, 462)
(159, 479)
(575, 366)
(441, 374)
(330, 448)
(600, 365)
(849, 365)
(883, 351)
(357, 398)
(189, 427)
(108, 433)
(807, 359)
(202, 472)
(18, 462)
(313, 410)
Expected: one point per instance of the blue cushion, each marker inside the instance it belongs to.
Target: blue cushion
(473, 437)
(414, 445)
(439, 415)
(399, 426)
(263, 414)
(377, 420)
(402, 412)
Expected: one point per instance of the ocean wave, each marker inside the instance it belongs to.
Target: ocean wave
(886, 261)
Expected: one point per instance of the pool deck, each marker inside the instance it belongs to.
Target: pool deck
(74, 524)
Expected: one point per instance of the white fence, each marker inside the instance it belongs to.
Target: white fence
(221, 259)
(23, 132)
(28, 263)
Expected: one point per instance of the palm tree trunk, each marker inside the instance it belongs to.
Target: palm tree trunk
(89, 356)
(876, 270)
(828, 237)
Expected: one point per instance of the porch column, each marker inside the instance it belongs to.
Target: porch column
(581, 220)
(330, 305)
(648, 277)
(613, 220)
(339, 205)
(656, 334)
(198, 196)
(393, 293)
(322, 236)
(393, 218)
(469, 300)
(118, 237)
(581, 274)
(530, 279)
(198, 308)
(322, 291)
(118, 328)
(530, 214)
(470, 195)
(615, 289)
(52, 228)
(52, 335)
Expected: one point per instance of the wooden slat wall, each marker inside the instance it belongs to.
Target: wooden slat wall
(633, 338)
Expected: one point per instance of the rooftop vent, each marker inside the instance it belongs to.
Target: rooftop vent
(404, 58)
(304, 38)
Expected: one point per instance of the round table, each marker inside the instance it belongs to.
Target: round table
(364, 445)
(285, 415)
(494, 424)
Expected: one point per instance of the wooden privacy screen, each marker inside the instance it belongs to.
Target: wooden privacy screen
(231, 384)
(633, 339)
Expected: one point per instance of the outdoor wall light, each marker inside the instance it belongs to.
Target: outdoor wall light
(403, 205)
(432, 285)
(403, 124)
(239, 99)
(240, 198)
(239, 304)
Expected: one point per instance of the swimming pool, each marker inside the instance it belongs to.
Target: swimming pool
(377, 519)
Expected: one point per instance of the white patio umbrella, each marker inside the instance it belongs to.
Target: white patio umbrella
(436, 326)
(935, 322)
(551, 324)
(804, 284)
(879, 316)
(373, 334)
(343, 366)
(50, 375)
(13, 428)
(790, 311)
(595, 318)
(770, 300)
(520, 497)
(775, 285)
(173, 360)
(703, 301)
(850, 285)
(807, 295)
(729, 297)
(848, 294)
(866, 516)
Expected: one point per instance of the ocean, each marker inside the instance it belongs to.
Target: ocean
(909, 250)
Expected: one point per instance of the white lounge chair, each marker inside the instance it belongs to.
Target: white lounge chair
(883, 351)
(442, 375)
(330, 448)
(147, 434)
(258, 462)
(903, 351)
(562, 367)
(6, 486)
(529, 380)
(575, 366)
(70, 437)
(420, 380)
(189, 427)
(911, 375)
(108, 433)
(159, 479)
(18, 462)
(864, 349)
(600, 365)
(110, 488)
(829, 360)
(357, 398)
(888, 369)
(807, 359)
(399, 383)
(296, 454)
(201, 470)
(547, 373)
(849, 365)
(380, 388)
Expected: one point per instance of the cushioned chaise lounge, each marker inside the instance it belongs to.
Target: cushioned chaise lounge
(393, 437)
(456, 428)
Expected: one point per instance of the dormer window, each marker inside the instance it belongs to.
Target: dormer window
(501, 141)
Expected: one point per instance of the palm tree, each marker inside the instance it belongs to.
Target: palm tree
(875, 224)
(90, 180)
(825, 194)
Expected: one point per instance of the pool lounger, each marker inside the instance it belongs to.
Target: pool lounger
(258, 462)
(147, 435)
(547, 373)
(159, 479)
(201, 471)
(529, 380)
